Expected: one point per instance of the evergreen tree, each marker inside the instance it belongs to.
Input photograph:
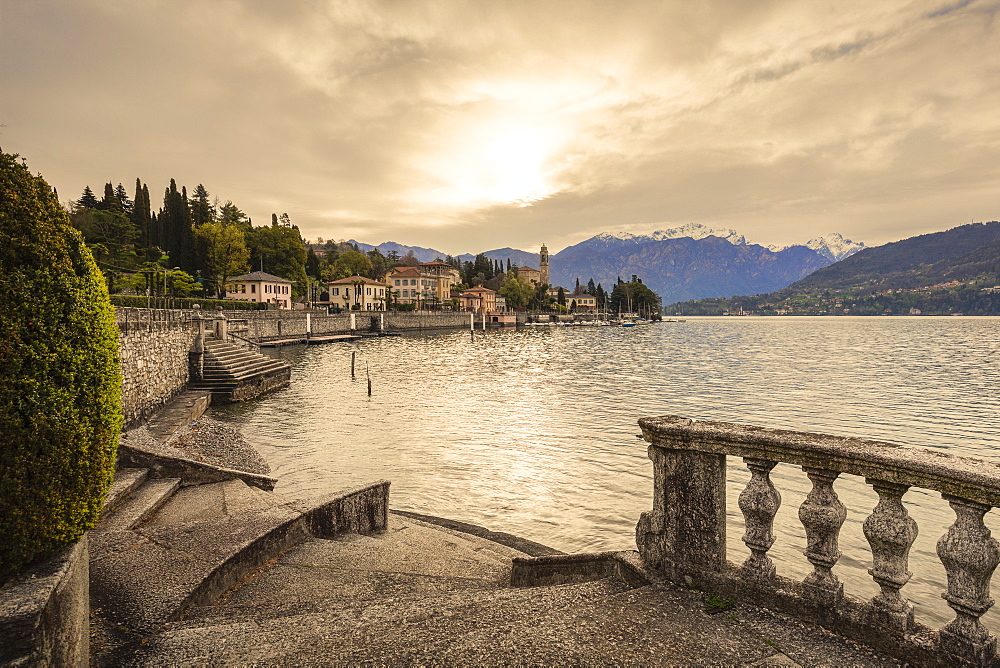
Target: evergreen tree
(123, 201)
(109, 202)
(155, 231)
(202, 210)
(230, 214)
(175, 224)
(591, 288)
(88, 200)
(140, 213)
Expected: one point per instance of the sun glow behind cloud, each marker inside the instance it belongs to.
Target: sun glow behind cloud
(492, 160)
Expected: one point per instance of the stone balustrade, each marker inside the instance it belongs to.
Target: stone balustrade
(684, 535)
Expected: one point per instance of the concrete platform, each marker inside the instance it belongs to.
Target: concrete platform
(183, 410)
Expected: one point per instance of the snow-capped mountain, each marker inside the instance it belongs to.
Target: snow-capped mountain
(694, 231)
(833, 246)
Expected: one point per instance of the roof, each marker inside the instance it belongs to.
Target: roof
(528, 269)
(481, 289)
(436, 264)
(405, 271)
(259, 276)
(351, 280)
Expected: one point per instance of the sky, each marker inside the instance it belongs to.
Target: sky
(470, 125)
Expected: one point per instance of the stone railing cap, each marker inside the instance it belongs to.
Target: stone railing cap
(963, 477)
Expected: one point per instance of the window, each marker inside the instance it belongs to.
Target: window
(397, 282)
(335, 292)
(368, 291)
(253, 289)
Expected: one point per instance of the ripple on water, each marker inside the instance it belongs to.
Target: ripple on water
(533, 432)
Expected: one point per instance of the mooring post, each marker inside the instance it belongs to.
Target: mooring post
(353, 354)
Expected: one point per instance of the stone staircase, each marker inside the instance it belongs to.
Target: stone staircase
(165, 545)
(232, 373)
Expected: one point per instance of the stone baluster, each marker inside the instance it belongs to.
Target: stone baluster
(890, 532)
(970, 555)
(759, 502)
(822, 514)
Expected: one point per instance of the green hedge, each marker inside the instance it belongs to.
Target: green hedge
(137, 301)
(60, 379)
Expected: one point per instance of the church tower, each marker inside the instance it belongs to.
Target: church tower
(543, 265)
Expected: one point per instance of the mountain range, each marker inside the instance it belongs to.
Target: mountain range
(955, 271)
(682, 263)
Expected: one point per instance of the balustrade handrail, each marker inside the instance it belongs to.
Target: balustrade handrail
(965, 477)
(684, 535)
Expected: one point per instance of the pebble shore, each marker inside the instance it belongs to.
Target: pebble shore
(206, 440)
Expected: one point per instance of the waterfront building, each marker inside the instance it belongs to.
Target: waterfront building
(478, 300)
(260, 286)
(538, 276)
(426, 284)
(358, 293)
(580, 302)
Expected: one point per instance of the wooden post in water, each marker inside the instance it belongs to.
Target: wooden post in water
(353, 354)
(369, 373)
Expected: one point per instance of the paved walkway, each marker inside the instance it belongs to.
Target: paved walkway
(421, 594)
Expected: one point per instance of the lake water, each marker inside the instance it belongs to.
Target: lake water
(534, 432)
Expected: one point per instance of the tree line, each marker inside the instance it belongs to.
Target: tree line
(191, 243)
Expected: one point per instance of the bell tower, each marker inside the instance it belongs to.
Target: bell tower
(543, 265)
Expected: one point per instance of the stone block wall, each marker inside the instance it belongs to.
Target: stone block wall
(154, 356)
(264, 325)
(402, 321)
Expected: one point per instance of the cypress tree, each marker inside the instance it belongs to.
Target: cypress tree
(187, 258)
(140, 213)
(109, 202)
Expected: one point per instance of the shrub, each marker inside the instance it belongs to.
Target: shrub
(60, 378)
(138, 301)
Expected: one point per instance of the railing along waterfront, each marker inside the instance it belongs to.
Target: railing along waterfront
(684, 535)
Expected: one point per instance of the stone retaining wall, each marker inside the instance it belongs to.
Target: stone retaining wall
(264, 325)
(45, 612)
(154, 357)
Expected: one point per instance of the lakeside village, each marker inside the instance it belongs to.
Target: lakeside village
(439, 286)
(195, 250)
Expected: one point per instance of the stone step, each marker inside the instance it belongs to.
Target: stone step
(243, 366)
(126, 481)
(142, 503)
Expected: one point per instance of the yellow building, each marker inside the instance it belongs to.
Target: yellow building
(428, 283)
(367, 294)
(260, 286)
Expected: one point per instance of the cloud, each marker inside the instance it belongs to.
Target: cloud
(475, 125)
